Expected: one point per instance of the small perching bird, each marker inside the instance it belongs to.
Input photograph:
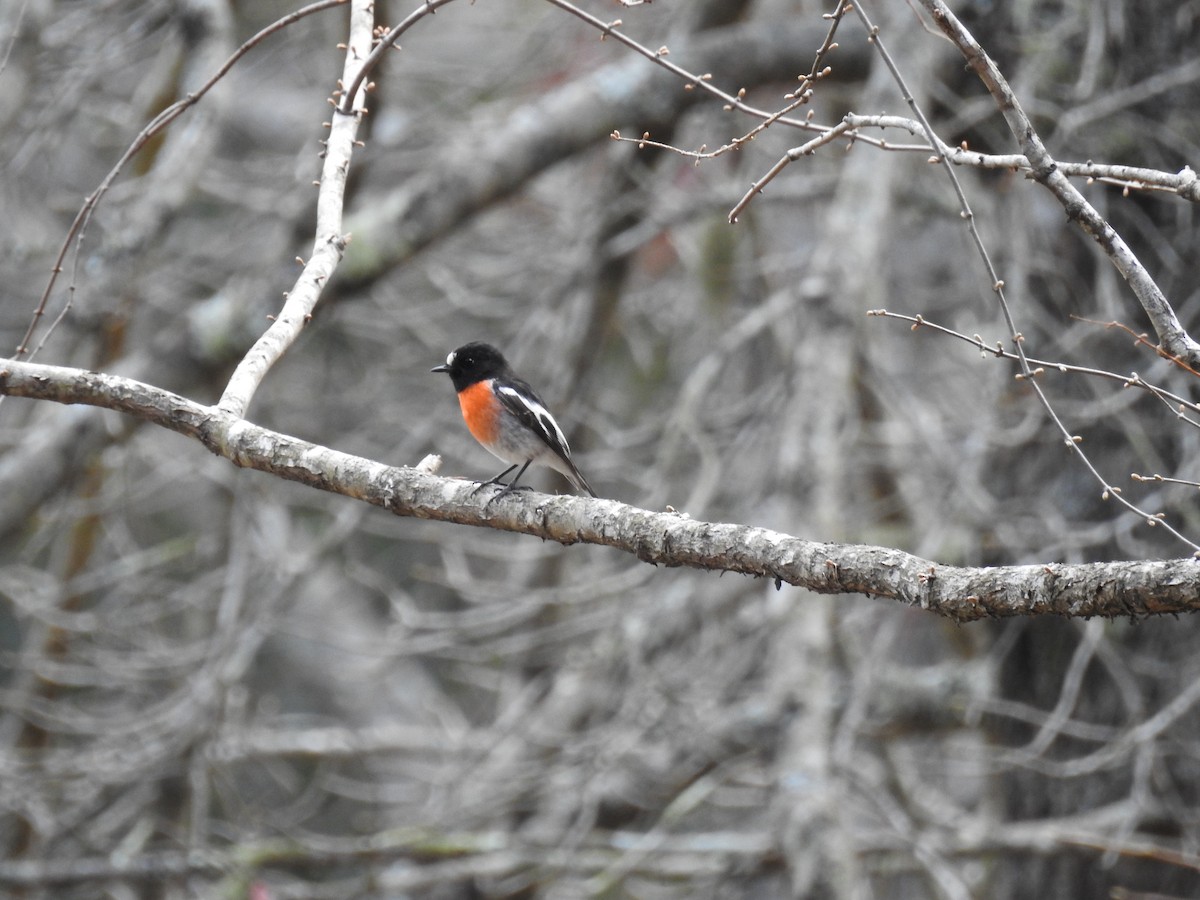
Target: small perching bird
(507, 416)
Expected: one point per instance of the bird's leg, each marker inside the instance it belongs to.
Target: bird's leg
(496, 480)
(511, 486)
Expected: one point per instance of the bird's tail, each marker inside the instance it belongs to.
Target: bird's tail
(572, 474)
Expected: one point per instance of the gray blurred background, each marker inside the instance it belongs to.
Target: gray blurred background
(216, 684)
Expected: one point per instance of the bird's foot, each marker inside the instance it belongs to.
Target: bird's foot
(505, 490)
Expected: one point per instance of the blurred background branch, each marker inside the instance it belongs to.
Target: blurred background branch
(214, 683)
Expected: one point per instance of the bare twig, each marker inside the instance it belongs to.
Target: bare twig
(1142, 341)
(330, 242)
(1027, 373)
(1036, 368)
(791, 156)
(1171, 334)
(1133, 380)
(156, 125)
(385, 43)
(1164, 479)
(800, 97)
(690, 79)
(1184, 183)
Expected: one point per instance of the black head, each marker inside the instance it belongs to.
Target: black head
(473, 362)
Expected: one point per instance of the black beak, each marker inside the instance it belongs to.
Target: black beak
(441, 368)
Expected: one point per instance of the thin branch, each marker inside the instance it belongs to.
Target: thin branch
(385, 43)
(691, 80)
(669, 539)
(157, 124)
(1039, 367)
(1184, 183)
(330, 242)
(1171, 334)
(1140, 340)
(14, 37)
(1164, 479)
(800, 97)
(1133, 380)
(787, 159)
(1030, 146)
(564, 121)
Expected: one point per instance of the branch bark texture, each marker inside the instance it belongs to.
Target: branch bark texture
(1140, 588)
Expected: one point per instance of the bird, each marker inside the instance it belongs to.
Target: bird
(507, 416)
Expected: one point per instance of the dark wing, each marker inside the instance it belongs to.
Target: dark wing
(520, 399)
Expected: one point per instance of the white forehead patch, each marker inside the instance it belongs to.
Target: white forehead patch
(450, 359)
